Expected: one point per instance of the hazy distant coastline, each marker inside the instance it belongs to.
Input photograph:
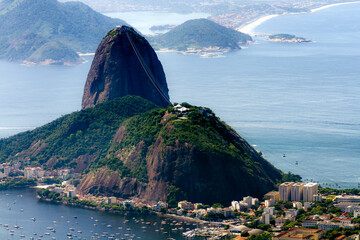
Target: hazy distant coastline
(249, 28)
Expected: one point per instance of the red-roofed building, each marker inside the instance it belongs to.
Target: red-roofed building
(300, 233)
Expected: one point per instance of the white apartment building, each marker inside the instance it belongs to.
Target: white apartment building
(285, 191)
(310, 189)
(297, 191)
(248, 200)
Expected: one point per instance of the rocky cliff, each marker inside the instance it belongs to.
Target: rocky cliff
(125, 64)
(195, 153)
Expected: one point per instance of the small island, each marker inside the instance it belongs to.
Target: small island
(288, 38)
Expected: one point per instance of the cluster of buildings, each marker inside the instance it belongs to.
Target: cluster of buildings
(69, 190)
(245, 204)
(348, 203)
(193, 209)
(299, 191)
(66, 190)
(298, 195)
(18, 168)
(325, 222)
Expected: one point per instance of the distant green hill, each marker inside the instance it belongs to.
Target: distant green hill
(200, 33)
(65, 28)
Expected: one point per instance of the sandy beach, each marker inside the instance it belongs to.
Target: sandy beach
(248, 29)
(332, 5)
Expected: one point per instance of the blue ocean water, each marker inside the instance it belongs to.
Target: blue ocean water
(301, 100)
(19, 207)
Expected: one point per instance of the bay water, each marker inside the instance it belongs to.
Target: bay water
(22, 216)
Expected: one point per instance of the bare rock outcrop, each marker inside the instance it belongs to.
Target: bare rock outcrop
(125, 64)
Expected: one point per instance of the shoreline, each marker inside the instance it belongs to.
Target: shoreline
(125, 212)
(332, 5)
(249, 28)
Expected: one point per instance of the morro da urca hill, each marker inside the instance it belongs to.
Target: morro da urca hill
(125, 64)
(190, 152)
(127, 147)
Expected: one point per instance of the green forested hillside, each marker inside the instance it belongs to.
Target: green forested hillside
(200, 33)
(71, 24)
(129, 147)
(89, 131)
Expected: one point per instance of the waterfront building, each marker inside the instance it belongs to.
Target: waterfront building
(157, 207)
(310, 189)
(112, 200)
(297, 191)
(185, 205)
(72, 193)
(300, 233)
(285, 191)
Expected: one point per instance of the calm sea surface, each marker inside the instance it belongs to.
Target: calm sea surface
(301, 100)
(19, 207)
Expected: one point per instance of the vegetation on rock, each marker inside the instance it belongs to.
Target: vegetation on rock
(153, 153)
(198, 34)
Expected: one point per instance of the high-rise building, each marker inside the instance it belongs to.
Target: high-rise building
(248, 200)
(285, 191)
(310, 189)
(297, 191)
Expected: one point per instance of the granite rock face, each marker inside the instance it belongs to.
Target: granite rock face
(125, 64)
